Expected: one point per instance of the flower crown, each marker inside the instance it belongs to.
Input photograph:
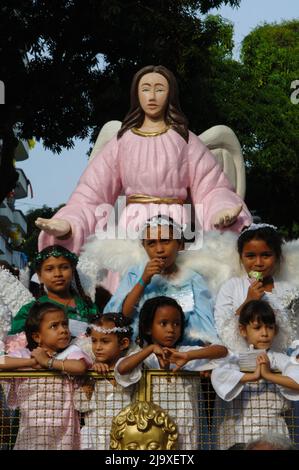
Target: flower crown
(115, 329)
(256, 227)
(160, 220)
(40, 257)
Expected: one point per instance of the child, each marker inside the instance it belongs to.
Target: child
(260, 251)
(56, 268)
(162, 240)
(110, 337)
(263, 395)
(161, 326)
(48, 420)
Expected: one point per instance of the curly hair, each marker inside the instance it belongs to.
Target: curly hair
(119, 320)
(144, 415)
(147, 315)
(35, 316)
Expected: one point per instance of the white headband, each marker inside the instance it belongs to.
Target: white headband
(158, 221)
(116, 329)
(256, 227)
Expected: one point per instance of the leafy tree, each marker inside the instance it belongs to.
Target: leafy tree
(30, 245)
(50, 51)
(253, 97)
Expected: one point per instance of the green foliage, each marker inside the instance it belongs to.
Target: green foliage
(253, 97)
(60, 91)
(30, 246)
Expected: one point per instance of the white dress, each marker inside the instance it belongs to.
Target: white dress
(179, 395)
(233, 293)
(106, 402)
(245, 411)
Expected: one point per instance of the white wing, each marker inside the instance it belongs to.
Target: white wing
(289, 270)
(98, 256)
(225, 146)
(108, 131)
(13, 295)
(215, 257)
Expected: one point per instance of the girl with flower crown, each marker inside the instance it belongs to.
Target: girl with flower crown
(56, 269)
(260, 249)
(101, 399)
(162, 274)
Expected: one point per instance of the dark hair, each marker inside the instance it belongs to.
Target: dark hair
(35, 316)
(268, 234)
(118, 319)
(8, 267)
(258, 310)
(174, 116)
(56, 251)
(147, 315)
(174, 226)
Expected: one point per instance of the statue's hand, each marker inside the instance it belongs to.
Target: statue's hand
(226, 217)
(56, 227)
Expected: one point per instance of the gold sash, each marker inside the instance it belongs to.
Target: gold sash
(146, 199)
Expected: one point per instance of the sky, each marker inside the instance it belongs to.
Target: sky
(53, 177)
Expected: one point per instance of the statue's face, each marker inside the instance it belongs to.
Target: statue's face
(153, 89)
(152, 439)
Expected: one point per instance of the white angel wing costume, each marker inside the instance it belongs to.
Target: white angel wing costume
(13, 295)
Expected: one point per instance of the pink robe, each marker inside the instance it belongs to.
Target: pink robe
(163, 166)
(48, 419)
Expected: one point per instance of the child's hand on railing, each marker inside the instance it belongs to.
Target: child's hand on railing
(160, 352)
(176, 357)
(100, 367)
(41, 357)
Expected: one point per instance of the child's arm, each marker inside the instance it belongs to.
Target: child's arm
(131, 362)
(181, 358)
(154, 266)
(72, 366)
(11, 363)
(278, 379)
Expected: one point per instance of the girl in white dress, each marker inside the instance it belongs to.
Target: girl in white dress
(102, 399)
(161, 326)
(260, 251)
(255, 402)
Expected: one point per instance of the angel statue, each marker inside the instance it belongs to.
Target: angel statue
(156, 162)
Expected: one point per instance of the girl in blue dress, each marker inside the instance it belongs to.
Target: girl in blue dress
(163, 275)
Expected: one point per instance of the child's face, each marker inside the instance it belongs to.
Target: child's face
(152, 439)
(166, 326)
(259, 334)
(53, 334)
(107, 347)
(56, 274)
(159, 243)
(258, 256)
